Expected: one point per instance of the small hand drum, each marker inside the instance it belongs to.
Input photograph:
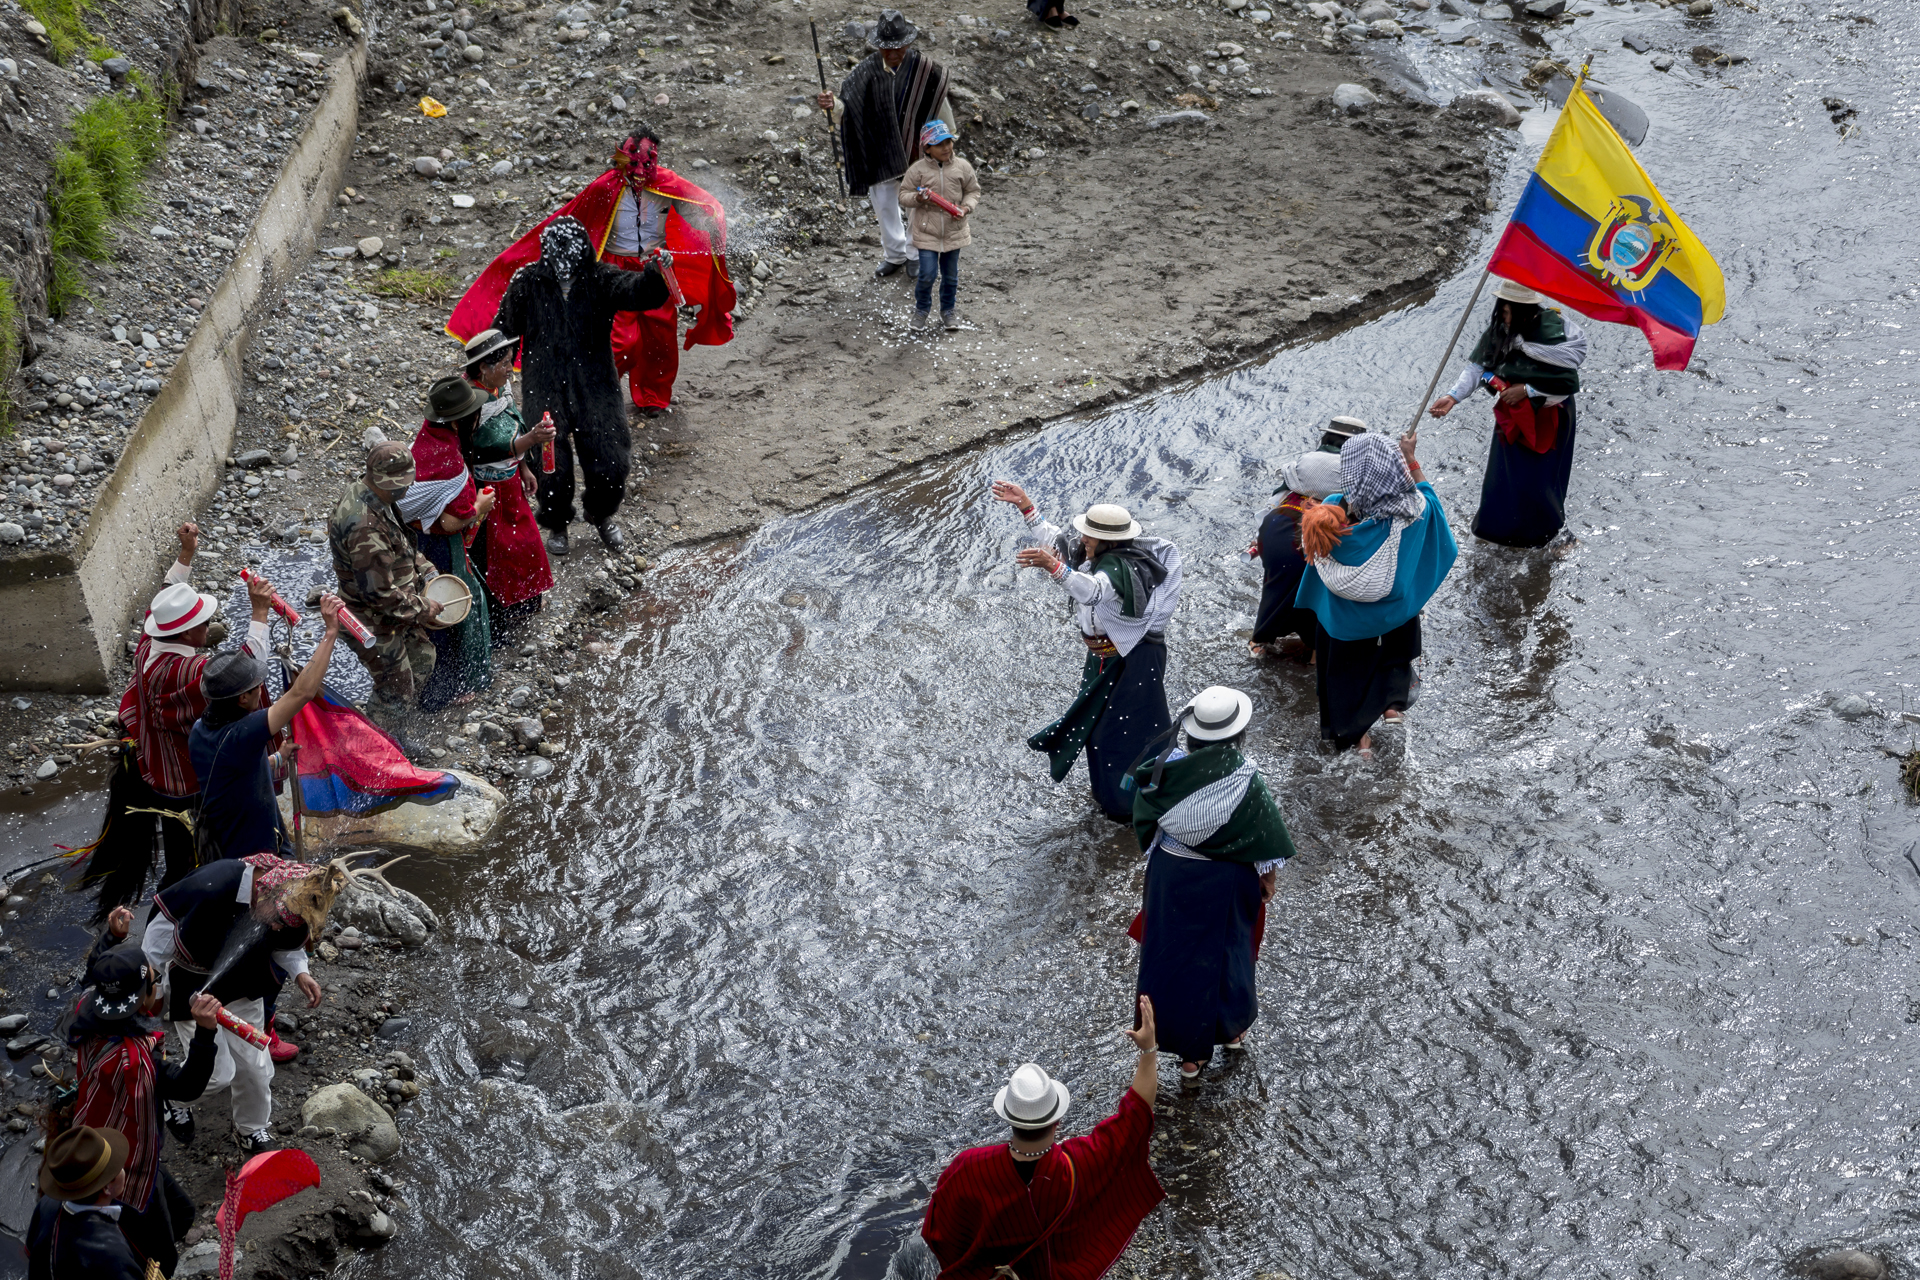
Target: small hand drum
(455, 600)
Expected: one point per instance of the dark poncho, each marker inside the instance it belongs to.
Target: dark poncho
(1500, 355)
(567, 341)
(1235, 820)
(880, 131)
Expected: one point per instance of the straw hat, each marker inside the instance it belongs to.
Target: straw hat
(81, 1162)
(1107, 522)
(1215, 713)
(1032, 1099)
(1508, 291)
(178, 609)
(487, 344)
(1338, 432)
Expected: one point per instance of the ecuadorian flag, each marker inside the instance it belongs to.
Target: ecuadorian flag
(1593, 232)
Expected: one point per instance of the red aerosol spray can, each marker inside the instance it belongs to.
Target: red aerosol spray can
(280, 606)
(546, 450)
(245, 1030)
(664, 260)
(941, 203)
(354, 627)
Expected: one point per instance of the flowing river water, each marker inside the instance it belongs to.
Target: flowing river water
(1604, 974)
(1607, 974)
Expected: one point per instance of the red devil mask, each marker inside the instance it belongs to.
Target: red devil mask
(637, 160)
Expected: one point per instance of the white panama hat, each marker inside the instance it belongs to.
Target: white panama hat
(177, 609)
(1032, 1099)
(1508, 291)
(1107, 522)
(1216, 712)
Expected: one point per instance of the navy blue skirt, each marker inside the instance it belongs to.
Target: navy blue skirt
(1359, 680)
(1196, 951)
(1523, 496)
(1136, 714)
(1282, 566)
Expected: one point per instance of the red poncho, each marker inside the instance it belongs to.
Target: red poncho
(115, 1075)
(699, 264)
(1087, 1198)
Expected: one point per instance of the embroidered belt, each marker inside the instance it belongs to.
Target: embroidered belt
(1100, 645)
(494, 472)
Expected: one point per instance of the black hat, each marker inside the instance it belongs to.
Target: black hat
(1339, 431)
(893, 31)
(228, 675)
(452, 398)
(119, 982)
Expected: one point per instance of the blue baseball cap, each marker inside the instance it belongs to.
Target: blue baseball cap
(935, 131)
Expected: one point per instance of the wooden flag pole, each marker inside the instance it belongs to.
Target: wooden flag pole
(1447, 355)
(1454, 341)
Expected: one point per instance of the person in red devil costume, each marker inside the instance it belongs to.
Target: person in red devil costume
(633, 209)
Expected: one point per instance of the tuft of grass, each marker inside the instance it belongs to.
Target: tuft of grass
(96, 177)
(119, 136)
(9, 351)
(79, 227)
(66, 31)
(413, 284)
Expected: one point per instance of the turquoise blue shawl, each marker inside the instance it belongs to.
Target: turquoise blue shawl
(1427, 553)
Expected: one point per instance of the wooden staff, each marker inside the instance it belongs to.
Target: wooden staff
(833, 135)
(1448, 353)
(299, 803)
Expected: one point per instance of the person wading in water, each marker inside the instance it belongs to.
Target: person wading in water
(1214, 842)
(1043, 1209)
(1376, 553)
(1125, 588)
(1529, 359)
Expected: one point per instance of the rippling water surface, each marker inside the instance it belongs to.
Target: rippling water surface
(1606, 975)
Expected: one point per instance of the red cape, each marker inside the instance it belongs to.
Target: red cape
(699, 264)
(1092, 1191)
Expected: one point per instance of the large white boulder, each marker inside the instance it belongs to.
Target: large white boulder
(454, 824)
(370, 1131)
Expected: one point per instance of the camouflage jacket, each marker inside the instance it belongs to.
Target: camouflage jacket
(380, 568)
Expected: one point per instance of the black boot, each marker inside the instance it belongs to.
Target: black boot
(557, 543)
(611, 535)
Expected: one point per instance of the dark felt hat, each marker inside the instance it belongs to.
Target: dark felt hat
(81, 1162)
(452, 398)
(893, 31)
(228, 675)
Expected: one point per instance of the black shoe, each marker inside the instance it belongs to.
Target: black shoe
(611, 535)
(886, 269)
(179, 1122)
(556, 544)
(252, 1144)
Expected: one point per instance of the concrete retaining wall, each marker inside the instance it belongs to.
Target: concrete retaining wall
(63, 616)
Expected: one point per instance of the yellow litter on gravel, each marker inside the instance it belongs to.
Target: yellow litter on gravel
(428, 107)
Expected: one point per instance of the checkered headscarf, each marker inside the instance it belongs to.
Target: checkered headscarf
(1375, 480)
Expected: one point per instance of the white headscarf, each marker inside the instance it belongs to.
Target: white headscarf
(1314, 474)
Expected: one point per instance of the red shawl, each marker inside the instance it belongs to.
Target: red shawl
(1092, 1192)
(116, 1092)
(698, 263)
(436, 456)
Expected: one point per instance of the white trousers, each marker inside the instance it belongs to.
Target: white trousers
(894, 244)
(239, 1067)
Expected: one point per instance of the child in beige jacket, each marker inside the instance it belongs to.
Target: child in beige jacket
(937, 234)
